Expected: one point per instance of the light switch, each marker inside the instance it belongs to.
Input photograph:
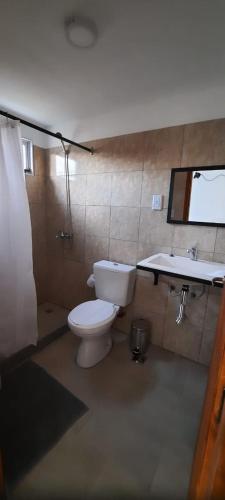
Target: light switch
(157, 202)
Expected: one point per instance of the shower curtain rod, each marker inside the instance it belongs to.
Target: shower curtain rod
(45, 131)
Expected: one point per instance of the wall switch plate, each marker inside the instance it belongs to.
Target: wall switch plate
(157, 202)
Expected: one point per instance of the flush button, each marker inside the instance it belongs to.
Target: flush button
(115, 264)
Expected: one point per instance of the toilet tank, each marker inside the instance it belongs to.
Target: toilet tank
(114, 282)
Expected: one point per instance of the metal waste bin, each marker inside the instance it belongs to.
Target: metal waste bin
(139, 339)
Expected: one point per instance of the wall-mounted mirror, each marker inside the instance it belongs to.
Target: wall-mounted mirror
(197, 196)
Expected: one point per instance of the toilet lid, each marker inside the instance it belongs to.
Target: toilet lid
(92, 313)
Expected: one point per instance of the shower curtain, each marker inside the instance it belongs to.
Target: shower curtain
(18, 303)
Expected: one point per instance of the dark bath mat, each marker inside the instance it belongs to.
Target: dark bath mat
(35, 411)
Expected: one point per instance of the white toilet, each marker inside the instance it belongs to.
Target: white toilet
(91, 321)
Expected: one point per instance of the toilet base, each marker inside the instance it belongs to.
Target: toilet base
(92, 350)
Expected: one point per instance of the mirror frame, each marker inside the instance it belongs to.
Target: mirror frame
(189, 169)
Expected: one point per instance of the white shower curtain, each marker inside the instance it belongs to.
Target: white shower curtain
(18, 303)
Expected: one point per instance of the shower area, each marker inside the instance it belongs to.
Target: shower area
(51, 236)
(52, 317)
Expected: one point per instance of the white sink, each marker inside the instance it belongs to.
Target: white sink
(183, 266)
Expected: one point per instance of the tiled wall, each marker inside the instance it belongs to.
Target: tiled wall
(112, 219)
(36, 196)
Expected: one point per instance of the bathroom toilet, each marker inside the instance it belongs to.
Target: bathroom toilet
(92, 320)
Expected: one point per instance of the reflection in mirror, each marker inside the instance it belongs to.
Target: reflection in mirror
(197, 196)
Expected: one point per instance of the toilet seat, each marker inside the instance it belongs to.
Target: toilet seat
(93, 314)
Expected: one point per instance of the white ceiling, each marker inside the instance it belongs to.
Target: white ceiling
(156, 63)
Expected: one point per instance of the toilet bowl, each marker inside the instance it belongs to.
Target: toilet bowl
(91, 321)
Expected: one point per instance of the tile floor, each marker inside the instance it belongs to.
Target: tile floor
(136, 441)
(50, 317)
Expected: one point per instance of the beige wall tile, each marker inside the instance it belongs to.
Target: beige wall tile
(152, 298)
(55, 217)
(126, 189)
(123, 323)
(56, 190)
(156, 323)
(98, 189)
(40, 277)
(219, 257)
(74, 249)
(220, 240)
(37, 215)
(78, 161)
(118, 154)
(163, 148)
(97, 221)
(40, 160)
(96, 249)
(103, 158)
(124, 252)
(35, 188)
(155, 181)
(186, 338)
(124, 223)
(153, 228)
(78, 219)
(78, 186)
(207, 346)
(145, 250)
(204, 143)
(55, 277)
(188, 236)
(74, 288)
(213, 306)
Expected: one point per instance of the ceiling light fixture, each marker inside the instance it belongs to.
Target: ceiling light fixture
(81, 32)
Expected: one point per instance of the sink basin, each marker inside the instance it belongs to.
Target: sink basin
(199, 270)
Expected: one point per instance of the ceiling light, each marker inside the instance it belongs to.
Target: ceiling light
(81, 32)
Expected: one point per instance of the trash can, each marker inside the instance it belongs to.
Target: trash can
(139, 339)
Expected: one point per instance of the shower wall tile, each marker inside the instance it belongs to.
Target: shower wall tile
(78, 187)
(56, 190)
(97, 221)
(35, 189)
(74, 249)
(98, 189)
(55, 280)
(40, 161)
(74, 287)
(35, 185)
(78, 219)
(55, 216)
(96, 249)
(112, 219)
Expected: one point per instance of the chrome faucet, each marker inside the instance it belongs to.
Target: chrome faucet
(193, 253)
